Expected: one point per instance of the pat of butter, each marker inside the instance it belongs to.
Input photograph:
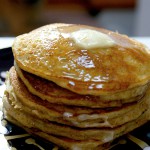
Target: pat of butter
(87, 38)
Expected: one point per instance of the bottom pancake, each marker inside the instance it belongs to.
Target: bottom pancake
(65, 143)
(67, 137)
(70, 144)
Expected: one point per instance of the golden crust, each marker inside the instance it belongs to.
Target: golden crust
(47, 53)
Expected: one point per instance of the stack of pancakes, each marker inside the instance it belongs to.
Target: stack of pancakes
(76, 96)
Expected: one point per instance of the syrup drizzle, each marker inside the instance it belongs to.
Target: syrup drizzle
(13, 148)
(12, 137)
(139, 142)
(32, 141)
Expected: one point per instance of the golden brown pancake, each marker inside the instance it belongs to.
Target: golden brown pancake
(49, 52)
(53, 93)
(70, 115)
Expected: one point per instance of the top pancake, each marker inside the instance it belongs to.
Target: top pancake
(50, 53)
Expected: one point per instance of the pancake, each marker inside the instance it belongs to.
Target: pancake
(100, 135)
(66, 143)
(83, 59)
(75, 116)
(77, 86)
(53, 93)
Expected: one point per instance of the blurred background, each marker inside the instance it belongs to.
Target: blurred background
(129, 17)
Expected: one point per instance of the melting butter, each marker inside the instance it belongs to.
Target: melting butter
(87, 38)
(67, 115)
(84, 117)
